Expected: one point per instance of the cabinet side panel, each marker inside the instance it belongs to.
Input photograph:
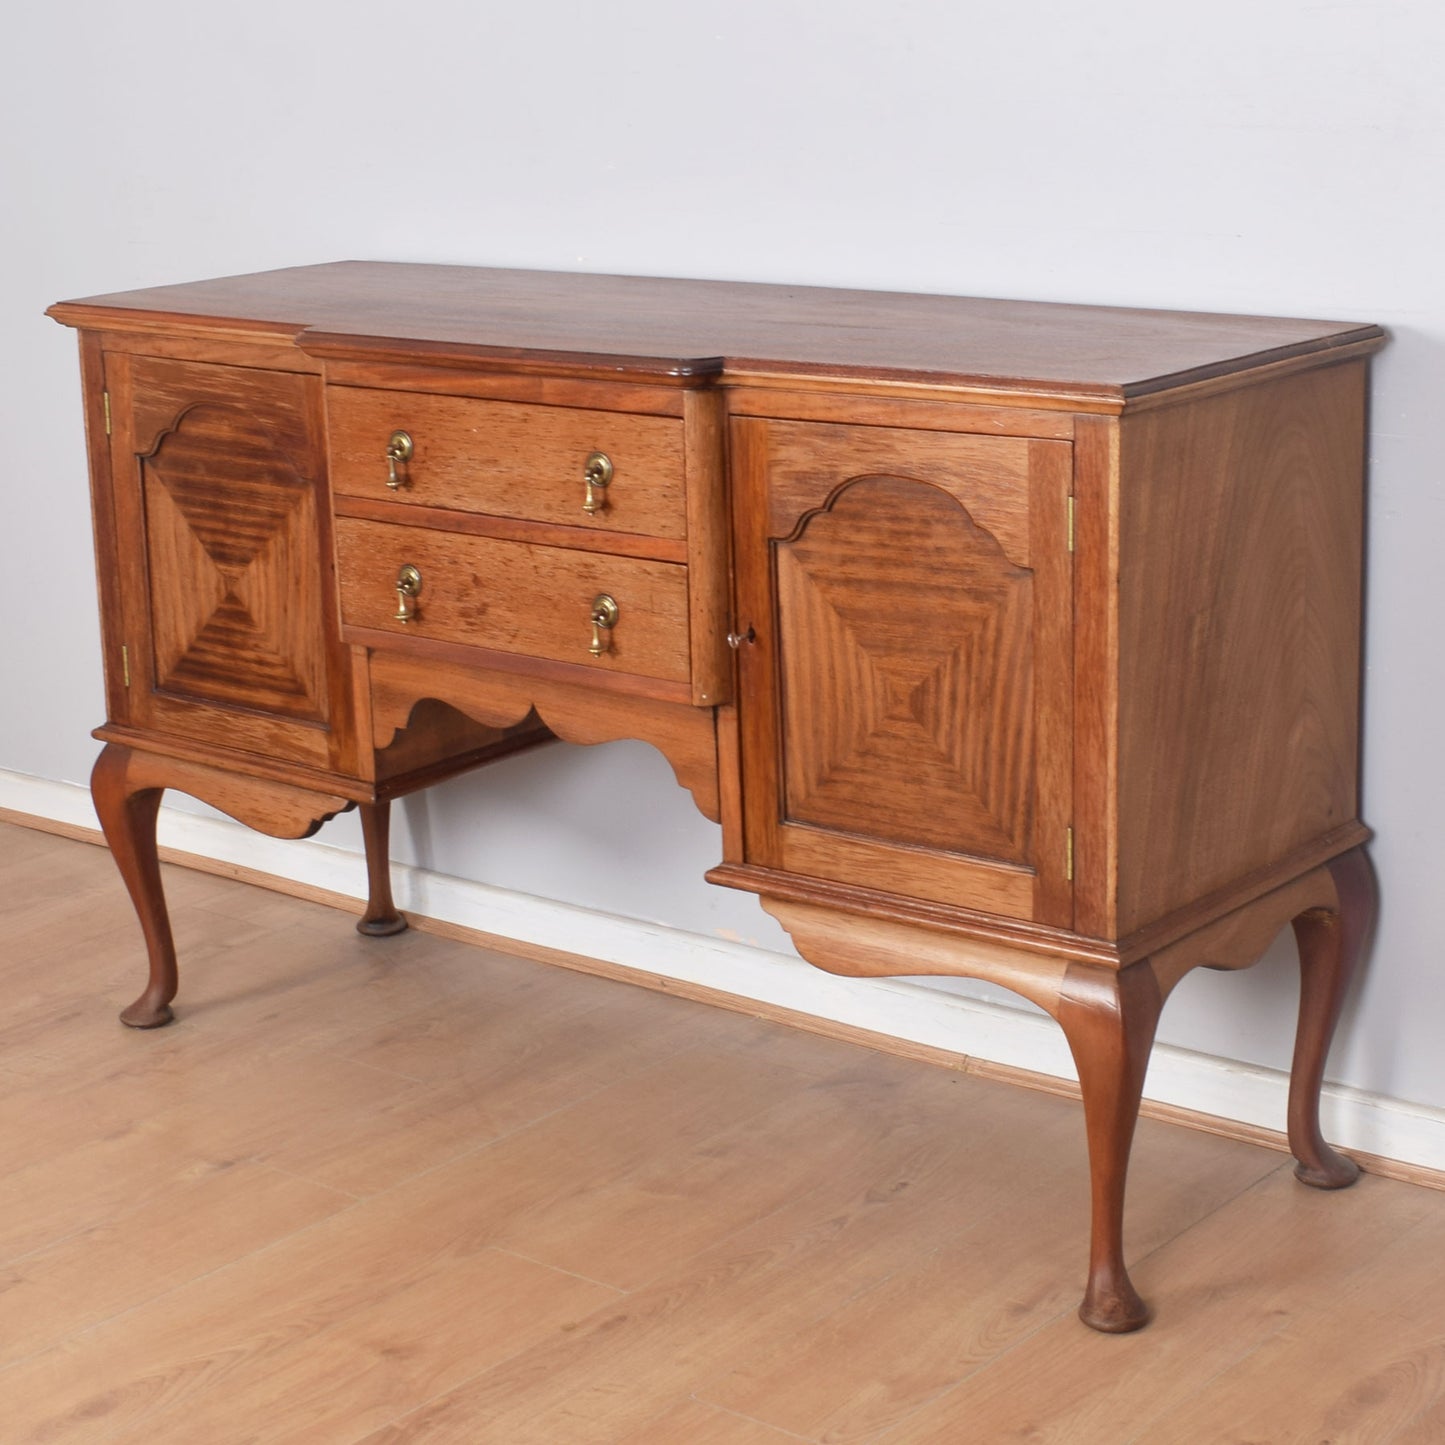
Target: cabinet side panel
(102, 513)
(1241, 520)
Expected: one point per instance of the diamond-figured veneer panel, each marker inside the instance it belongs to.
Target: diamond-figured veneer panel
(231, 525)
(907, 674)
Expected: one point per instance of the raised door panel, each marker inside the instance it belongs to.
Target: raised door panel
(906, 706)
(229, 628)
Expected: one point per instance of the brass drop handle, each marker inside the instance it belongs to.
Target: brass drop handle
(399, 448)
(605, 613)
(408, 584)
(597, 474)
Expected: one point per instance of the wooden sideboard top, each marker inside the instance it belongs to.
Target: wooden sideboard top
(632, 325)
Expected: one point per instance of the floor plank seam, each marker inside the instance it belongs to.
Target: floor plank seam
(77, 1336)
(754, 1420)
(1196, 1121)
(1134, 1262)
(621, 1291)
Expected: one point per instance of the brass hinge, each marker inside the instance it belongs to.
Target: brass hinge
(125, 664)
(1071, 524)
(1069, 855)
(105, 399)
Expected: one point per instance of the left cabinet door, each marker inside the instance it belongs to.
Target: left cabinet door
(223, 559)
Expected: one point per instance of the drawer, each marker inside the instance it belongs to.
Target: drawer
(510, 459)
(514, 597)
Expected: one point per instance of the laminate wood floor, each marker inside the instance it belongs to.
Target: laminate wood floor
(409, 1192)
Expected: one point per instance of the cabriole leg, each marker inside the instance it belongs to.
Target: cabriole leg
(1330, 944)
(128, 819)
(1109, 1019)
(381, 917)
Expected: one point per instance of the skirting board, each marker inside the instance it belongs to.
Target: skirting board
(1388, 1136)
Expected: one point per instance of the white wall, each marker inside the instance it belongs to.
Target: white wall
(1274, 156)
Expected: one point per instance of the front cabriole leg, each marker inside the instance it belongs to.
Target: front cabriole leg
(126, 786)
(127, 810)
(1109, 1017)
(1330, 941)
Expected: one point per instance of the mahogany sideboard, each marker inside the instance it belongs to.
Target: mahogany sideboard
(1014, 641)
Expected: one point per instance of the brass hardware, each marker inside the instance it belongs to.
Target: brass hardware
(1071, 524)
(125, 664)
(408, 584)
(736, 639)
(105, 400)
(597, 474)
(1069, 856)
(605, 613)
(398, 449)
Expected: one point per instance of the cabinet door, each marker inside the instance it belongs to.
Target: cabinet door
(906, 701)
(218, 477)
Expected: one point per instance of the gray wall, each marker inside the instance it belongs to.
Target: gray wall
(1282, 157)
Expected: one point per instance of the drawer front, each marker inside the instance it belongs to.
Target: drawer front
(515, 597)
(510, 459)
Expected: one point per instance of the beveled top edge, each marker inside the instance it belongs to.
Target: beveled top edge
(691, 331)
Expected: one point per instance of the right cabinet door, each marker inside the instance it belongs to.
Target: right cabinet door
(906, 699)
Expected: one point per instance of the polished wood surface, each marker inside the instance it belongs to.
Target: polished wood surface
(516, 597)
(649, 325)
(218, 476)
(571, 710)
(508, 459)
(1005, 640)
(1240, 541)
(1331, 941)
(416, 1191)
(908, 683)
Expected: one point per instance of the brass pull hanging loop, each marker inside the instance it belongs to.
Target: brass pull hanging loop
(408, 585)
(605, 613)
(399, 449)
(597, 475)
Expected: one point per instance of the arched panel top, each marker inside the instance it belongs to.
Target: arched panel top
(878, 499)
(267, 413)
(810, 465)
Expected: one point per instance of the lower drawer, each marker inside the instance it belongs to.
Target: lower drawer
(515, 597)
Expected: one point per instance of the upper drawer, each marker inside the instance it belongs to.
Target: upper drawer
(509, 459)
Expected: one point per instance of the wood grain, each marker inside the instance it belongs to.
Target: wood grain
(709, 577)
(510, 529)
(1096, 677)
(280, 809)
(589, 393)
(856, 408)
(218, 472)
(1239, 641)
(515, 597)
(911, 599)
(987, 476)
(875, 948)
(677, 1225)
(907, 713)
(1023, 595)
(673, 327)
(509, 459)
(684, 735)
(1418, 1175)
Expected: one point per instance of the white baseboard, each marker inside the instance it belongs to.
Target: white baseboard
(1394, 1129)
